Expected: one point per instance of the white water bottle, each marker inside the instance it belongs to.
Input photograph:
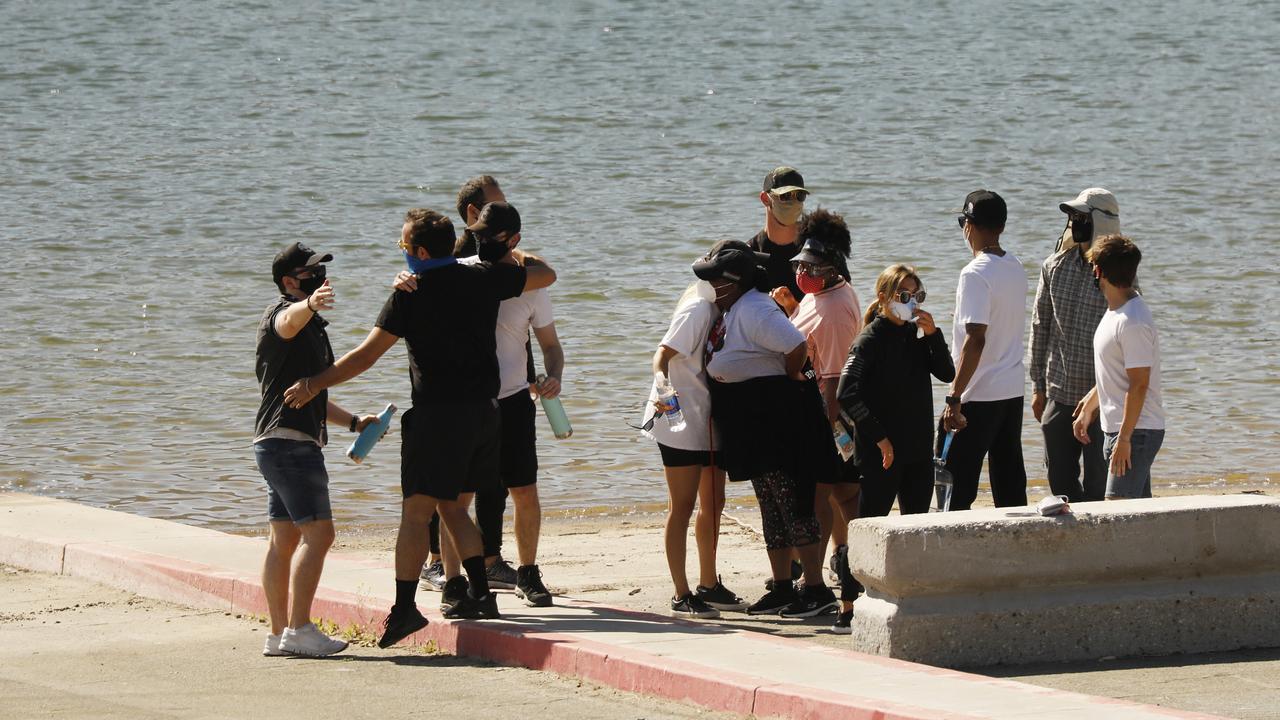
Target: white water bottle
(668, 397)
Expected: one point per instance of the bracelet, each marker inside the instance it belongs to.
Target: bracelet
(352, 426)
(306, 384)
(309, 304)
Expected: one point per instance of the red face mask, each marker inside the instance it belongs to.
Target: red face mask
(809, 284)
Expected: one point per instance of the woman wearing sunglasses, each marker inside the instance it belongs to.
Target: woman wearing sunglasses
(886, 393)
(687, 454)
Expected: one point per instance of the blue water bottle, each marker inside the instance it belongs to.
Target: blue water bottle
(371, 434)
(554, 410)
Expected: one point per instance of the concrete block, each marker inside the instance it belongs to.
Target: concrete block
(1007, 586)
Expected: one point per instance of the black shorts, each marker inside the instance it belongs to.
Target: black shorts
(519, 441)
(449, 449)
(675, 457)
(849, 474)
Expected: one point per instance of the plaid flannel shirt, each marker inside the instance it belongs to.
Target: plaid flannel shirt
(1067, 312)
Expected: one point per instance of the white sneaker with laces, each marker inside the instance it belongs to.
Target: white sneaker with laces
(308, 640)
(271, 648)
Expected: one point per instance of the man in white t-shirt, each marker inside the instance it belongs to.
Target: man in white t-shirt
(1126, 362)
(984, 407)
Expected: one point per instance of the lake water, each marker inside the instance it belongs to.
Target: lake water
(156, 155)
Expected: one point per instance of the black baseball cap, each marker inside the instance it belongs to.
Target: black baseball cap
(985, 208)
(294, 257)
(784, 180)
(730, 260)
(496, 218)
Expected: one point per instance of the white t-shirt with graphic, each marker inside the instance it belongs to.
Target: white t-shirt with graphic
(993, 292)
(1126, 338)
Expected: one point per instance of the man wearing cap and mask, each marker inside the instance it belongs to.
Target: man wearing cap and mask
(1067, 311)
(451, 435)
(984, 407)
(292, 344)
(783, 199)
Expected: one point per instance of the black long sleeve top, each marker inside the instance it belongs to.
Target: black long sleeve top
(885, 388)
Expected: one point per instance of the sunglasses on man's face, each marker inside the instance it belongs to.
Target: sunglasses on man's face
(905, 296)
(963, 220)
(793, 196)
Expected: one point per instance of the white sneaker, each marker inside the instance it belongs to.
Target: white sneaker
(272, 647)
(308, 640)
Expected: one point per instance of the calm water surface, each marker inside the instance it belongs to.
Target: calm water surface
(156, 155)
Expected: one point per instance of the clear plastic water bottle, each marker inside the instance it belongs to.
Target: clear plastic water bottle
(844, 443)
(667, 396)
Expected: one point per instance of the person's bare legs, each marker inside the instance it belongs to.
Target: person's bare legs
(780, 565)
(822, 507)
(448, 553)
(466, 538)
(840, 523)
(528, 522)
(412, 539)
(845, 501)
(317, 538)
(275, 571)
(811, 559)
(706, 528)
(682, 493)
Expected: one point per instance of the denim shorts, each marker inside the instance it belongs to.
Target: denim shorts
(297, 483)
(1136, 483)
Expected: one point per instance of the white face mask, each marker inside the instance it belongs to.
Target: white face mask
(705, 291)
(903, 311)
(786, 212)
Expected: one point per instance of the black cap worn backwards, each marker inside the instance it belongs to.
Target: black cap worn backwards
(784, 180)
(293, 257)
(731, 260)
(496, 218)
(985, 208)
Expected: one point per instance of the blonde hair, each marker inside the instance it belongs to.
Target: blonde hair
(889, 280)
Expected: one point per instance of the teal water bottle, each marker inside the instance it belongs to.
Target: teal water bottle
(371, 434)
(554, 410)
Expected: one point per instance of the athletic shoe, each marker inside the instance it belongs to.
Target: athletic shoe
(720, 597)
(308, 640)
(529, 587)
(454, 590)
(797, 577)
(691, 606)
(400, 624)
(772, 602)
(272, 647)
(432, 576)
(469, 608)
(501, 575)
(815, 600)
(843, 624)
(833, 564)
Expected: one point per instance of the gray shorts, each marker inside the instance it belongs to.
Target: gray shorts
(1136, 483)
(297, 483)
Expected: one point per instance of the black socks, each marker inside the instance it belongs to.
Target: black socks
(476, 576)
(406, 591)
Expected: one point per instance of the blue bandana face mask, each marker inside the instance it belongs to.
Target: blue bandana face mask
(418, 266)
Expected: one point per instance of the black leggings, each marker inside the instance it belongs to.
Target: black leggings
(786, 510)
(911, 483)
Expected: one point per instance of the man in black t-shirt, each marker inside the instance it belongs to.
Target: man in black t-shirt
(292, 344)
(783, 199)
(451, 434)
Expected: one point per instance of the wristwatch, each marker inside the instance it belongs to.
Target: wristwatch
(953, 400)
(354, 420)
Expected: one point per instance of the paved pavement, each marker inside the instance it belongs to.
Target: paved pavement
(717, 667)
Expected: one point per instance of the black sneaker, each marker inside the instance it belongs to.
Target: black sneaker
(690, 606)
(815, 600)
(720, 597)
(529, 587)
(400, 624)
(432, 576)
(454, 590)
(843, 624)
(469, 608)
(797, 575)
(833, 564)
(772, 602)
(501, 575)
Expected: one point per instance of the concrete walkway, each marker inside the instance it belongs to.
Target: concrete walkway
(716, 667)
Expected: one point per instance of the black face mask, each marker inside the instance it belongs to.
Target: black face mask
(1082, 231)
(490, 249)
(306, 286)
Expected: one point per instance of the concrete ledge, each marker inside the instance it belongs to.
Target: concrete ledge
(1007, 586)
(715, 667)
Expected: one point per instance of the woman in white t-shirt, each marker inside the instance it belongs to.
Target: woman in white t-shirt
(766, 410)
(688, 455)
